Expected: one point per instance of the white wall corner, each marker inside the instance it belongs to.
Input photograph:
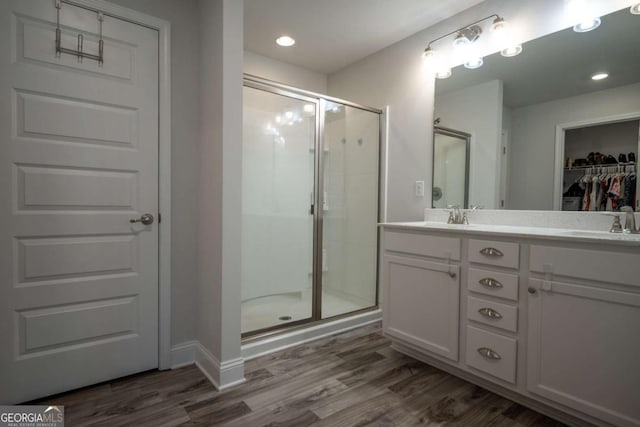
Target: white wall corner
(183, 354)
(222, 375)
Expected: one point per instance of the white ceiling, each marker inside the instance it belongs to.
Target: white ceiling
(331, 34)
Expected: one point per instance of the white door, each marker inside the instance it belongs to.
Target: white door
(78, 160)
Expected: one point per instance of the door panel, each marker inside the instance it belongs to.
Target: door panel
(576, 329)
(422, 304)
(278, 155)
(78, 160)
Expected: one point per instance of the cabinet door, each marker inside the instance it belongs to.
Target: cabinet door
(583, 349)
(421, 304)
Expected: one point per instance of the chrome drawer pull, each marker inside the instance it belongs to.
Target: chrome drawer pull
(490, 313)
(489, 354)
(491, 252)
(490, 283)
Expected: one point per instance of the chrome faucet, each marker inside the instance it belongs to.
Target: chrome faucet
(456, 216)
(630, 220)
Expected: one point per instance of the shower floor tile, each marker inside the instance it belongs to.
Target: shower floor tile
(265, 312)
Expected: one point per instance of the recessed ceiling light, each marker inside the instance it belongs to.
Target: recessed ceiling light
(285, 41)
(635, 9)
(599, 76)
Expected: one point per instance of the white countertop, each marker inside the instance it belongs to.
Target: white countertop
(547, 233)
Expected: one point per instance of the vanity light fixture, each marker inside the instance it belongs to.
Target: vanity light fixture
(599, 76)
(285, 41)
(635, 9)
(463, 39)
(466, 36)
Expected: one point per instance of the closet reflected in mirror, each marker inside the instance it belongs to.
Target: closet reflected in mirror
(450, 168)
(600, 166)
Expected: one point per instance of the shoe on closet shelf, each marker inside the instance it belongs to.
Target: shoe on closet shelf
(632, 157)
(622, 158)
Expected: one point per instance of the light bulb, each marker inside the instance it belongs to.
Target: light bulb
(587, 25)
(428, 55)
(599, 76)
(444, 73)
(511, 51)
(474, 63)
(582, 16)
(499, 24)
(460, 40)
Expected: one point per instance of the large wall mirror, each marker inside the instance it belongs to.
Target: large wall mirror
(531, 116)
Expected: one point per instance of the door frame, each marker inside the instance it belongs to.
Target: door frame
(164, 159)
(320, 100)
(559, 146)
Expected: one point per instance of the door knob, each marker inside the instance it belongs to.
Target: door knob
(146, 219)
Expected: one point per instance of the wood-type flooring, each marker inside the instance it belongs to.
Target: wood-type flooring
(351, 379)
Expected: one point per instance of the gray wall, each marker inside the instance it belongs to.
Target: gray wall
(283, 72)
(395, 76)
(185, 61)
(220, 150)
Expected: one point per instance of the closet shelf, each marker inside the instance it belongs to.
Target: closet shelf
(611, 165)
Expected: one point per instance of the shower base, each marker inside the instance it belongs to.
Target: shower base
(273, 310)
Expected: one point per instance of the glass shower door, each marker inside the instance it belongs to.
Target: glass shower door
(278, 151)
(350, 209)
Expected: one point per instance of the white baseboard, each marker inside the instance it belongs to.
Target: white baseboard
(301, 336)
(222, 375)
(183, 354)
(231, 372)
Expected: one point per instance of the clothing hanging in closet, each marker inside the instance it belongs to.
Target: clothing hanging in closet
(608, 188)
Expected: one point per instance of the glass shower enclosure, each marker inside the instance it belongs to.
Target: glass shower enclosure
(310, 185)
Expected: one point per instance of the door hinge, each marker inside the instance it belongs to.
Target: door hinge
(502, 203)
(159, 218)
(504, 150)
(312, 210)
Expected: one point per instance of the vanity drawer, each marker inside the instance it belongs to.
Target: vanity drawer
(493, 283)
(500, 254)
(422, 244)
(610, 267)
(492, 353)
(501, 316)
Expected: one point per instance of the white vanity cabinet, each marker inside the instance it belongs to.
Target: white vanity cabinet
(546, 320)
(584, 331)
(422, 296)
